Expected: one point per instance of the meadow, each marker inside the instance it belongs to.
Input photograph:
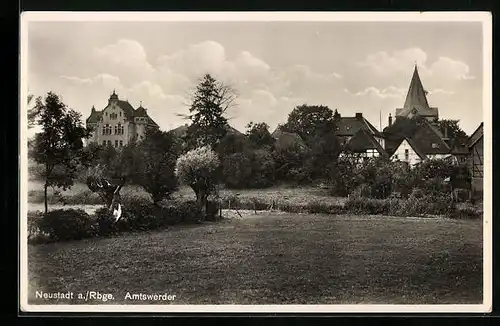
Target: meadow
(274, 258)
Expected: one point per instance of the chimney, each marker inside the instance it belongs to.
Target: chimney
(359, 115)
(446, 133)
(390, 120)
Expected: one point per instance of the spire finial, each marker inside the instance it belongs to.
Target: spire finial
(140, 103)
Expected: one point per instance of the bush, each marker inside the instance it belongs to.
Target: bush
(360, 205)
(417, 205)
(67, 224)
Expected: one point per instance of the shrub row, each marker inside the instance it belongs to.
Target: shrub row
(137, 215)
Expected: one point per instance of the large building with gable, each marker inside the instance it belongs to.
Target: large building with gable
(118, 123)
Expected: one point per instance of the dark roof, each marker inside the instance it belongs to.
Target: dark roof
(416, 99)
(181, 130)
(476, 135)
(286, 139)
(349, 126)
(95, 116)
(460, 150)
(427, 135)
(363, 141)
(128, 109)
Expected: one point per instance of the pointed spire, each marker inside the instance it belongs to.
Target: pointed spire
(416, 97)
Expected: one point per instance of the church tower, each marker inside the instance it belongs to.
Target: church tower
(416, 101)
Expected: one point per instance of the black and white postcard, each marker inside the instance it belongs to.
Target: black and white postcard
(256, 162)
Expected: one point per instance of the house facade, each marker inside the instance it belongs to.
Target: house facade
(358, 135)
(476, 158)
(118, 123)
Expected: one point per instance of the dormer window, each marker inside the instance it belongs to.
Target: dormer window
(434, 145)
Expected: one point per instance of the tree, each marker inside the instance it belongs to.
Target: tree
(258, 134)
(156, 157)
(325, 150)
(309, 120)
(211, 99)
(32, 112)
(198, 168)
(451, 128)
(59, 147)
(231, 144)
(237, 170)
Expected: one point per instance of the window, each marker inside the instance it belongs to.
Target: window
(109, 142)
(116, 130)
(103, 142)
(121, 129)
(396, 156)
(407, 154)
(106, 113)
(121, 143)
(108, 130)
(116, 142)
(120, 114)
(104, 130)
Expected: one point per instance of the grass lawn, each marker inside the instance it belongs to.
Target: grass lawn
(275, 259)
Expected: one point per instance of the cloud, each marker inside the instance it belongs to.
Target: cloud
(124, 58)
(449, 68)
(384, 63)
(398, 63)
(389, 92)
(196, 60)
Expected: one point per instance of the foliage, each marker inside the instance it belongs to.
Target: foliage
(211, 99)
(360, 205)
(59, 147)
(323, 156)
(237, 170)
(155, 158)
(198, 168)
(451, 128)
(67, 224)
(231, 144)
(250, 169)
(289, 163)
(259, 136)
(309, 120)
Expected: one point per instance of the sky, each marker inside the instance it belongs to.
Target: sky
(353, 67)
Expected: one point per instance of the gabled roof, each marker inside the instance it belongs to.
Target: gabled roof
(416, 99)
(363, 141)
(129, 111)
(95, 116)
(286, 139)
(476, 135)
(426, 136)
(414, 146)
(349, 126)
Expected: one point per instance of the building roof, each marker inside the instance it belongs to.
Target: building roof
(476, 135)
(416, 99)
(362, 141)
(182, 130)
(429, 140)
(95, 116)
(286, 139)
(413, 145)
(128, 109)
(349, 126)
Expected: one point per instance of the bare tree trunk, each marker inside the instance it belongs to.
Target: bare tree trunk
(201, 201)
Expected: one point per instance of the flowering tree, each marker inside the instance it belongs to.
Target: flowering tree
(198, 168)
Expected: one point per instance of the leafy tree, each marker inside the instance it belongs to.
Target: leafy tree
(198, 168)
(231, 144)
(309, 120)
(289, 163)
(59, 147)
(155, 161)
(457, 137)
(263, 169)
(325, 150)
(258, 134)
(211, 99)
(237, 170)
